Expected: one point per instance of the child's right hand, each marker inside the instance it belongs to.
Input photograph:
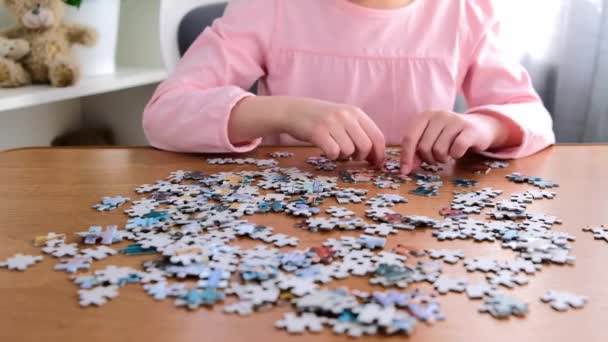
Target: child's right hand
(341, 131)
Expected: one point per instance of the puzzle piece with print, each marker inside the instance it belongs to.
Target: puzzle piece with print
(73, 265)
(502, 306)
(110, 203)
(49, 240)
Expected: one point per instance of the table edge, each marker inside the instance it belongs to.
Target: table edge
(43, 148)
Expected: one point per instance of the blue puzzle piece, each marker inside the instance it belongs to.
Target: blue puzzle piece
(158, 215)
(137, 249)
(264, 207)
(132, 278)
(142, 222)
(467, 183)
(194, 298)
(347, 316)
(251, 272)
(427, 177)
(110, 203)
(87, 282)
(424, 191)
(274, 206)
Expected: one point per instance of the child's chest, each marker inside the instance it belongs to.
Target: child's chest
(324, 31)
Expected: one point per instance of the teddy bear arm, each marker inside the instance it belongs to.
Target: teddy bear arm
(21, 48)
(12, 33)
(81, 34)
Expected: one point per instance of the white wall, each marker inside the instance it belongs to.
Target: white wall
(172, 11)
(5, 18)
(37, 126)
(139, 26)
(122, 111)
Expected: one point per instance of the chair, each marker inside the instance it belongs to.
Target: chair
(195, 22)
(181, 22)
(191, 25)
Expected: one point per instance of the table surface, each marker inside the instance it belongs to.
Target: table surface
(51, 190)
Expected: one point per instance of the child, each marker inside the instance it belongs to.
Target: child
(350, 76)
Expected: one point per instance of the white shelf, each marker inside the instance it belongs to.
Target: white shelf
(123, 78)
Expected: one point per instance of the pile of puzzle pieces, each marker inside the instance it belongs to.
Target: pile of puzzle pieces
(191, 221)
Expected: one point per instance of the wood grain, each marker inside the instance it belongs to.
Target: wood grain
(44, 190)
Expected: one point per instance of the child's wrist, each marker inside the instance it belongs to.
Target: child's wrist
(498, 130)
(285, 109)
(280, 112)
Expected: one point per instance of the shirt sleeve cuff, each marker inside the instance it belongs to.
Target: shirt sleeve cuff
(532, 121)
(237, 96)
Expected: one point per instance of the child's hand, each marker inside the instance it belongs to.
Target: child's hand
(341, 131)
(437, 137)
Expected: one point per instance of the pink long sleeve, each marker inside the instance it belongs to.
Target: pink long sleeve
(497, 86)
(190, 111)
(393, 64)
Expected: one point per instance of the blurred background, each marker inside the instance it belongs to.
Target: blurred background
(563, 43)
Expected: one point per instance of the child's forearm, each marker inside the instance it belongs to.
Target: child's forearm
(504, 132)
(256, 116)
(339, 130)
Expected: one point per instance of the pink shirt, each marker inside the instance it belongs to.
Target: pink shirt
(394, 64)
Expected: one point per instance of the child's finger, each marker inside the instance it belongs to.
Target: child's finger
(326, 143)
(377, 138)
(376, 159)
(363, 144)
(462, 143)
(441, 149)
(409, 143)
(429, 138)
(417, 162)
(344, 141)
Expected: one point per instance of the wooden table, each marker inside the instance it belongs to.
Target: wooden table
(51, 190)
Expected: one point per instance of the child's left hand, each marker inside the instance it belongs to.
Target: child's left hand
(437, 137)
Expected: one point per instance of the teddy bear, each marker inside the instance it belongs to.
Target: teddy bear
(11, 52)
(50, 60)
